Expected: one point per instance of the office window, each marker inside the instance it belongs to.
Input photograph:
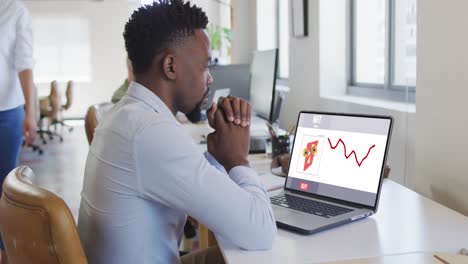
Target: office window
(283, 39)
(273, 31)
(383, 49)
(62, 49)
(218, 28)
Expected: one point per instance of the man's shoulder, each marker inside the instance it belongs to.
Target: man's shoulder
(20, 8)
(129, 117)
(12, 8)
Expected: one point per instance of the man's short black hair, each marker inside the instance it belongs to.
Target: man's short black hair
(153, 28)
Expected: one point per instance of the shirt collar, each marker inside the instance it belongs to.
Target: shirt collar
(143, 94)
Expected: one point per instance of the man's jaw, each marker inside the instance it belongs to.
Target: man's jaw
(195, 115)
(206, 96)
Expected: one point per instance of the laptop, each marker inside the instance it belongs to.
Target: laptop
(335, 173)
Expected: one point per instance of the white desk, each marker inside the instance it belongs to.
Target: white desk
(406, 222)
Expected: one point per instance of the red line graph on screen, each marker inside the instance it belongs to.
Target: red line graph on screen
(352, 152)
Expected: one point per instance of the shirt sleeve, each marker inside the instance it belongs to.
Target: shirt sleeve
(214, 162)
(173, 171)
(24, 42)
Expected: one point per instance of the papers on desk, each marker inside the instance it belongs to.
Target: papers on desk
(272, 182)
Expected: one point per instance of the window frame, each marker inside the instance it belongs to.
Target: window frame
(281, 80)
(387, 90)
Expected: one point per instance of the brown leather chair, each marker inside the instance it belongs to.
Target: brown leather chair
(36, 225)
(90, 123)
(69, 96)
(92, 118)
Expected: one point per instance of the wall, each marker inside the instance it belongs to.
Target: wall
(318, 78)
(304, 82)
(108, 54)
(244, 31)
(442, 121)
(108, 65)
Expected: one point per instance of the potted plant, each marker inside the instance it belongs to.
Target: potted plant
(218, 35)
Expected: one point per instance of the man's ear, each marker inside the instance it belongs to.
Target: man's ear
(168, 66)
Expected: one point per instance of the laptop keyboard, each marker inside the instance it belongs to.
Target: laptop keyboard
(309, 206)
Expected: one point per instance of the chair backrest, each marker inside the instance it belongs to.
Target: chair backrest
(90, 123)
(36, 225)
(92, 117)
(54, 101)
(69, 95)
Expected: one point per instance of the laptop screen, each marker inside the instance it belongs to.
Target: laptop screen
(339, 156)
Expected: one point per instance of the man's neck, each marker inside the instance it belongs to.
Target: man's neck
(161, 90)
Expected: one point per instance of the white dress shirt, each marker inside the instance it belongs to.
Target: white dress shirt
(144, 174)
(15, 51)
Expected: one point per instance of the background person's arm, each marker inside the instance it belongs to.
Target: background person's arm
(24, 65)
(30, 122)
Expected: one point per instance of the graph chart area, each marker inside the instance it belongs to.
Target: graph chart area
(346, 155)
(345, 159)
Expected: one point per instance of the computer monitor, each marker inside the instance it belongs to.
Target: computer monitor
(233, 76)
(262, 83)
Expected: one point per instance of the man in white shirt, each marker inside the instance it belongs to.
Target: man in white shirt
(144, 174)
(17, 93)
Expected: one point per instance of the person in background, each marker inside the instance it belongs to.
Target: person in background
(120, 92)
(17, 92)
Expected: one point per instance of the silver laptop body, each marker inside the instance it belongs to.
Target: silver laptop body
(335, 173)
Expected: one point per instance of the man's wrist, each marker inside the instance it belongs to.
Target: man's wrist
(242, 162)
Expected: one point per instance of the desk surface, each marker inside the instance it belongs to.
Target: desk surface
(405, 223)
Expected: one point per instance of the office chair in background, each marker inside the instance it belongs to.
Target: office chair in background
(49, 108)
(69, 96)
(92, 117)
(36, 225)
